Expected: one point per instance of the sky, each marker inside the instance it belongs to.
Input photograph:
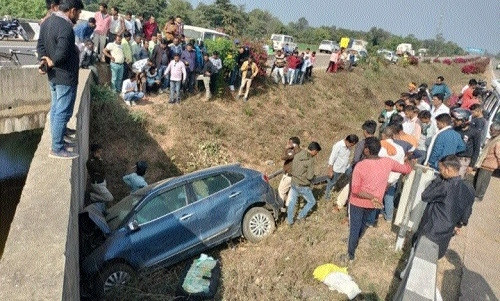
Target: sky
(469, 23)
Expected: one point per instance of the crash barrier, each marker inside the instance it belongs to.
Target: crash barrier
(24, 99)
(41, 255)
(411, 207)
(419, 280)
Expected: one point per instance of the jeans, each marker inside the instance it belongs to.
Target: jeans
(389, 202)
(61, 110)
(357, 224)
(235, 76)
(164, 80)
(116, 76)
(175, 91)
(133, 96)
(291, 76)
(295, 192)
(330, 183)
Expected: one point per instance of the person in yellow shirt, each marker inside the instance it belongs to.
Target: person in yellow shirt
(249, 71)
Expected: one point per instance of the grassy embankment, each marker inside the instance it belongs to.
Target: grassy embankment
(197, 134)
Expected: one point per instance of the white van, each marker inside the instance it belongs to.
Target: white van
(201, 34)
(280, 40)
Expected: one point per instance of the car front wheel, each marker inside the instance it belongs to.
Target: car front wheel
(258, 223)
(113, 276)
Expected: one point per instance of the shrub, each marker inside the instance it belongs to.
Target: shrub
(413, 60)
(459, 60)
(447, 61)
(258, 53)
(436, 60)
(469, 69)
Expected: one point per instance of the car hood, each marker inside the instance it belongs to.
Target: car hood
(96, 214)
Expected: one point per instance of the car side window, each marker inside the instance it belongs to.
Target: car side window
(162, 204)
(206, 187)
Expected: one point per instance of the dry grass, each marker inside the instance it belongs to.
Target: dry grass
(197, 134)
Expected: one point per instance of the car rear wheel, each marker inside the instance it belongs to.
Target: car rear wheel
(258, 223)
(114, 276)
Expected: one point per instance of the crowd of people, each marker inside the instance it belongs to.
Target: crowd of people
(291, 68)
(155, 60)
(418, 128)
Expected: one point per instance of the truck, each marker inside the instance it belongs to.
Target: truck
(403, 48)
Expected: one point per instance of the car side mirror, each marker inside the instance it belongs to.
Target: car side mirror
(133, 225)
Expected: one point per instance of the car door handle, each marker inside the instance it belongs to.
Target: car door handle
(185, 217)
(232, 195)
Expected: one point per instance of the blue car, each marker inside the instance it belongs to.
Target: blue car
(171, 220)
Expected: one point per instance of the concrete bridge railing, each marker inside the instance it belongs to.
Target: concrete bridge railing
(24, 99)
(41, 256)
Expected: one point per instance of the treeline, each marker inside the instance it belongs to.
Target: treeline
(256, 24)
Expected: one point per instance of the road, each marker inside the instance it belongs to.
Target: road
(25, 49)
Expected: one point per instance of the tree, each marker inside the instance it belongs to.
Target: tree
(30, 9)
(261, 24)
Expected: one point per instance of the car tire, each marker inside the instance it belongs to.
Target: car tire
(113, 276)
(258, 224)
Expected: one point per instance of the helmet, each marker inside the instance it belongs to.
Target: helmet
(461, 114)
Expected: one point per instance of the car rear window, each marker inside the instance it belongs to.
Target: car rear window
(234, 177)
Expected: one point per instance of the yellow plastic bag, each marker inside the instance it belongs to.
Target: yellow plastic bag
(323, 270)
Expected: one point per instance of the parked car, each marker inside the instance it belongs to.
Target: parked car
(280, 40)
(328, 46)
(174, 219)
(491, 105)
(388, 55)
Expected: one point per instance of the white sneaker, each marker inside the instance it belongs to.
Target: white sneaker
(128, 103)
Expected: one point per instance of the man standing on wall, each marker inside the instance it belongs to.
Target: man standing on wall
(59, 58)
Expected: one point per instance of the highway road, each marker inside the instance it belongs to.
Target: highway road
(25, 55)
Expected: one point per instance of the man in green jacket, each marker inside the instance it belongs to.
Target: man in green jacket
(302, 174)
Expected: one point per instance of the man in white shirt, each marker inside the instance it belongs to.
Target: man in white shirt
(129, 23)
(338, 163)
(411, 123)
(438, 107)
(129, 91)
(114, 52)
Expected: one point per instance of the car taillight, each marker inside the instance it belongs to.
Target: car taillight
(265, 178)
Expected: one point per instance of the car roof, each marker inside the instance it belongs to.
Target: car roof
(173, 180)
(201, 29)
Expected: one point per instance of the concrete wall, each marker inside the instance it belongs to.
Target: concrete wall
(41, 258)
(24, 99)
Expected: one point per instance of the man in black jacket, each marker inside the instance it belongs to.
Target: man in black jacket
(160, 57)
(60, 61)
(449, 205)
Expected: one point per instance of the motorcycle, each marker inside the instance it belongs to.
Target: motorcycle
(12, 29)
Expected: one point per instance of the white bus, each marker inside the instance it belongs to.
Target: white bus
(280, 40)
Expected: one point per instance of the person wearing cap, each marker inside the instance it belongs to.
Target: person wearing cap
(471, 137)
(302, 175)
(136, 179)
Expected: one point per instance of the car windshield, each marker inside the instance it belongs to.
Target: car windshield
(276, 38)
(117, 213)
(326, 42)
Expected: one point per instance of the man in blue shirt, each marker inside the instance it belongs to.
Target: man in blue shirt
(441, 88)
(84, 30)
(136, 179)
(446, 141)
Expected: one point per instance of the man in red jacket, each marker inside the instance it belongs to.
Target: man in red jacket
(150, 28)
(293, 62)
